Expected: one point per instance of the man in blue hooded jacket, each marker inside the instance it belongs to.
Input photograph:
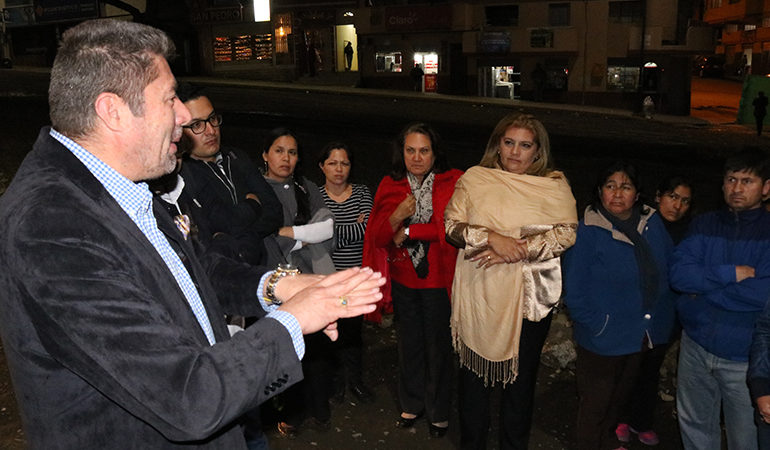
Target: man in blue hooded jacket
(722, 269)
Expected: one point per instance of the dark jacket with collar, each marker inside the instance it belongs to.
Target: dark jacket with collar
(715, 310)
(602, 286)
(103, 349)
(231, 212)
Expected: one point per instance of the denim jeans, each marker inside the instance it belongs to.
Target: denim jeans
(706, 382)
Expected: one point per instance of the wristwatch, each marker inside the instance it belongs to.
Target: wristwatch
(283, 270)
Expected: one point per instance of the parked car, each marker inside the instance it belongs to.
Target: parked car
(710, 66)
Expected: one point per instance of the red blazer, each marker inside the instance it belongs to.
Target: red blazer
(382, 255)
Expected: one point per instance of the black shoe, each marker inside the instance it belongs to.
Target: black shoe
(362, 393)
(436, 431)
(403, 422)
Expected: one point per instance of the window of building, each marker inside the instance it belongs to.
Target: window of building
(282, 24)
(710, 4)
(388, 62)
(731, 27)
(502, 16)
(622, 78)
(558, 14)
(247, 47)
(626, 12)
(749, 27)
(766, 22)
(541, 38)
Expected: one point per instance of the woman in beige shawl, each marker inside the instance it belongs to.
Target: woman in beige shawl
(511, 217)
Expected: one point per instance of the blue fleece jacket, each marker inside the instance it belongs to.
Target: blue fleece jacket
(715, 310)
(603, 291)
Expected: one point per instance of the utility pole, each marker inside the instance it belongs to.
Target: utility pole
(641, 52)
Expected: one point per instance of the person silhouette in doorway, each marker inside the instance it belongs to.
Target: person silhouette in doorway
(760, 111)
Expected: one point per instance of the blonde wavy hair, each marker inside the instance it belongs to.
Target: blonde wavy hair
(542, 165)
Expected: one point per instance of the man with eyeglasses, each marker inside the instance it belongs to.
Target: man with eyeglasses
(234, 197)
(722, 269)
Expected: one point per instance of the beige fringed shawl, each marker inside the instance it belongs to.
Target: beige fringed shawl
(488, 305)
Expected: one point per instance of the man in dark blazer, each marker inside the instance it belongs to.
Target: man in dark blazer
(112, 332)
(235, 198)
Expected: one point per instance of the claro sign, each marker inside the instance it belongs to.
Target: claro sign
(419, 18)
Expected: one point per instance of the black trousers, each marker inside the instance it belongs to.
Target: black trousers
(309, 397)
(603, 383)
(424, 351)
(348, 350)
(517, 400)
(639, 411)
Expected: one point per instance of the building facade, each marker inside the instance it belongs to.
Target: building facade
(596, 52)
(743, 35)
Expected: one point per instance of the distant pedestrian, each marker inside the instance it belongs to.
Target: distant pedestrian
(416, 74)
(538, 77)
(760, 111)
(348, 55)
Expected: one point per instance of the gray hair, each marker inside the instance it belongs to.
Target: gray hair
(97, 56)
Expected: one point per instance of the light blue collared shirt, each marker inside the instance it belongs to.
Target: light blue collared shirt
(136, 200)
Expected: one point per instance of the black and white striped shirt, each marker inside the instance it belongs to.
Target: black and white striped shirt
(350, 233)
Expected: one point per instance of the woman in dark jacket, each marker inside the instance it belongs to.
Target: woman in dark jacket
(616, 289)
(673, 198)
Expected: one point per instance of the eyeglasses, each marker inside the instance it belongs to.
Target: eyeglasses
(198, 126)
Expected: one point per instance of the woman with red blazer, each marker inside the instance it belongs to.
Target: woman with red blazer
(405, 239)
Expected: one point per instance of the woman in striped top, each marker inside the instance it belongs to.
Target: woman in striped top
(350, 204)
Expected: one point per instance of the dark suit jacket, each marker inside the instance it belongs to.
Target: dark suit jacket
(103, 349)
(223, 216)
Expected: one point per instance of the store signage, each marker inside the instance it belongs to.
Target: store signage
(418, 18)
(18, 13)
(46, 11)
(431, 82)
(217, 15)
(495, 42)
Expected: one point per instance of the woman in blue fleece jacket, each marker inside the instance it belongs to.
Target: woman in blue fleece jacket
(616, 289)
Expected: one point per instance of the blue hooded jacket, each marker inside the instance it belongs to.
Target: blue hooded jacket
(603, 291)
(715, 310)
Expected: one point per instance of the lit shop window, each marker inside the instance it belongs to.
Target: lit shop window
(620, 78)
(282, 31)
(388, 62)
(247, 47)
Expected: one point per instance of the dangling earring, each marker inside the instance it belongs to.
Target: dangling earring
(265, 170)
